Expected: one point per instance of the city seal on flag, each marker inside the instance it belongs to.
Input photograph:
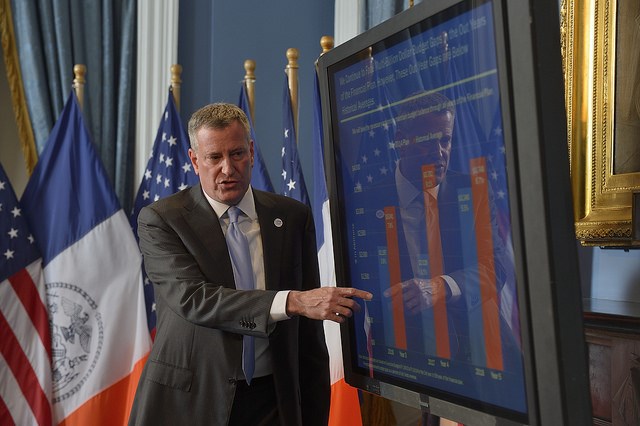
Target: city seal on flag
(77, 334)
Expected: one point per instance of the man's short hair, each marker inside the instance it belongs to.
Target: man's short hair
(216, 116)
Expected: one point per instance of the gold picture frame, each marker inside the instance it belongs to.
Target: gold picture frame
(602, 94)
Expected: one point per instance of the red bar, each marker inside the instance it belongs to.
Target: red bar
(5, 415)
(393, 255)
(27, 292)
(24, 374)
(486, 266)
(436, 263)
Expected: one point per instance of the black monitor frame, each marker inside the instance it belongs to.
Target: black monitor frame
(532, 97)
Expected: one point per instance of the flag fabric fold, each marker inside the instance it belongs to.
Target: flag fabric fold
(259, 176)
(25, 340)
(292, 178)
(345, 405)
(92, 271)
(168, 170)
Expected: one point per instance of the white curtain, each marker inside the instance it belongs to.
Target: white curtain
(157, 51)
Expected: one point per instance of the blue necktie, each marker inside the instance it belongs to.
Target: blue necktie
(243, 275)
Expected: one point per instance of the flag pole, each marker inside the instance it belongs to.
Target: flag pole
(250, 84)
(176, 81)
(79, 71)
(292, 72)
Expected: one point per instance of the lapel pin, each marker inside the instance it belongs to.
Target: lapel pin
(278, 222)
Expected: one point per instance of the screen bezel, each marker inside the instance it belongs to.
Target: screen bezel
(537, 167)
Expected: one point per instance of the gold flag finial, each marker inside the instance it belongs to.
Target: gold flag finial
(327, 43)
(79, 71)
(292, 72)
(249, 82)
(176, 82)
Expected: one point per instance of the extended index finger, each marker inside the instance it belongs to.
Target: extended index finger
(355, 292)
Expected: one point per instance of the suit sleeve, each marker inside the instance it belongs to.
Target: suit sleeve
(174, 263)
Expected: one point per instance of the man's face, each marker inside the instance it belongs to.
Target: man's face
(425, 141)
(223, 161)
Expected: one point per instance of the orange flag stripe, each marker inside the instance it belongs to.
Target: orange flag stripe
(345, 405)
(111, 406)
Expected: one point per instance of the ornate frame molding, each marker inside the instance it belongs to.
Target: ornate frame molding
(602, 199)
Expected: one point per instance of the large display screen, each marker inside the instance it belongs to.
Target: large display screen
(424, 202)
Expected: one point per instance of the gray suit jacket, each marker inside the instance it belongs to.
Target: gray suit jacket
(195, 361)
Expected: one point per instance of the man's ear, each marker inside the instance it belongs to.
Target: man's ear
(194, 159)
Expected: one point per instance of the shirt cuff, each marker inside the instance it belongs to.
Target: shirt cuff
(278, 310)
(453, 286)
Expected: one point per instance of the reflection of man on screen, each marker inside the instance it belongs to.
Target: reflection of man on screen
(423, 141)
(449, 257)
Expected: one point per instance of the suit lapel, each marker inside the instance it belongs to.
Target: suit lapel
(205, 226)
(272, 221)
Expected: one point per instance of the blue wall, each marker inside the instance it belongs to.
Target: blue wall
(610, 274)
(215, 38)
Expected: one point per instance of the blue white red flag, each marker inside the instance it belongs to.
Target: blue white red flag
(92, 271)
(25, 340)
(345, 406)
(292, 178)
(168, 170)
(259, 176)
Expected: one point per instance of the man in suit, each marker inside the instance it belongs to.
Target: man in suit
(194, 374)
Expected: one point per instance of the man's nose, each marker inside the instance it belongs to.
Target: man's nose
(227, 166)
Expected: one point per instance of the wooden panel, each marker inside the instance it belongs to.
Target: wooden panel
(600, 376)
(614, 374)
(625, 381)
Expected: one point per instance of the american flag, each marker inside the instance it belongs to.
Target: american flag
(292, 178)
(260, 176)
(169, 170)
(25, 340)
